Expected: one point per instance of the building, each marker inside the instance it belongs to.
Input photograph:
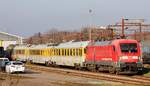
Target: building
(6, 39)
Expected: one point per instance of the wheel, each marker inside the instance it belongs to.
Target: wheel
(111, 70)
(47, 64)
(31, 62)
(117, 72)
(92, 67)
(78, 67)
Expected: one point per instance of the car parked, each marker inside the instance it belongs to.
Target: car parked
(14, 66)
(3, 62)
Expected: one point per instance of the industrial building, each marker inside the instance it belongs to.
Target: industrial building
(6, 39)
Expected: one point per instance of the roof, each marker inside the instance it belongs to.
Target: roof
(8, 37)
(73, 44)
(101, 43)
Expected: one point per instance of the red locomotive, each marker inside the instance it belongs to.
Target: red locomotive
(120, 56)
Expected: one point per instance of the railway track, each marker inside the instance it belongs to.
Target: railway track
(135, 80)
(142, 77)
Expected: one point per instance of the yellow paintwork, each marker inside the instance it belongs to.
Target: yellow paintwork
(79, 52)
(1, 43)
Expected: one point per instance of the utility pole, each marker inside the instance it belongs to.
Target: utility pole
(140, 31)
(90, 37)
(122, 36)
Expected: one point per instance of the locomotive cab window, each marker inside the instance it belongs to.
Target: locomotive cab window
(128, 47)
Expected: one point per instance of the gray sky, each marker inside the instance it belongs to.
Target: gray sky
(26, 17)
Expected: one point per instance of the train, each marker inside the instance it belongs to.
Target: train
(120, 56)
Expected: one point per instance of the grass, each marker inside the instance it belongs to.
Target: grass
(147, 74)
(146, 71)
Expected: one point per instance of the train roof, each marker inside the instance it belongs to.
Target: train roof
(20, 46)
(124, 40)
(73, 44)
(101, 43)
(31, 46)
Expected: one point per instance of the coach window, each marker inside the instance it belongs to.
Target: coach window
(52, 52)
(55, 52)
(49, 52)
(84, 50)
(43, 53)
(62, 52)
(17, 51)
(70, 52)
(80, 52)
(20, 51)
(76, 52)
(32, 52)
(38, 52)
(65, 52)
(58, 52)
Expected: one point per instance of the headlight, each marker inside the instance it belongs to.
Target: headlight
(135, 57)
(124, 57)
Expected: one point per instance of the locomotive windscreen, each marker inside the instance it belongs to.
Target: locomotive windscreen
(128, 47)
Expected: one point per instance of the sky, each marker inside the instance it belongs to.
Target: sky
(26, 17)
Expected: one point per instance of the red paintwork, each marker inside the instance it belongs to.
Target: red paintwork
(106, 53)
